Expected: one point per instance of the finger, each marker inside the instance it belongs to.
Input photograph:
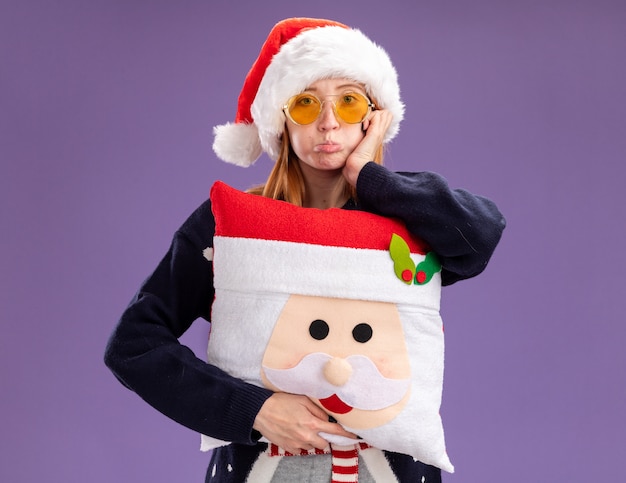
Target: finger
(338, 430)
(319, 443)
(381, 119)
(316, 411)
(326, 425)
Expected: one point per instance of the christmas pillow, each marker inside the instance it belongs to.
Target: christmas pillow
(339, 305)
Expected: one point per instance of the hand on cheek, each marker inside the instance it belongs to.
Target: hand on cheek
(375, 128)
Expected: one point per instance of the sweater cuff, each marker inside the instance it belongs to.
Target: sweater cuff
(370, 181)
(244, 406)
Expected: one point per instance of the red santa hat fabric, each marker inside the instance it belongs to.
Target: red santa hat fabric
(297, 52)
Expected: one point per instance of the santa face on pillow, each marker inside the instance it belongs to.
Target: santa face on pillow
(348, 356)
(341, 306)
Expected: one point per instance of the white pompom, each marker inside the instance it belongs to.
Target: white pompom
(237, 143)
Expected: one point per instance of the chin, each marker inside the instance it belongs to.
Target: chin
(329, 163)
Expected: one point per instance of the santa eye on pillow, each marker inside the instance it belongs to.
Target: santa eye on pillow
(339, 305)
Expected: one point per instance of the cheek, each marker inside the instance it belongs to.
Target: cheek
(297, 138)
(394, 365)
(357, 134)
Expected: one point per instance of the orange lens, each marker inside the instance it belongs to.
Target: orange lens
(304, 108)
(350, 107)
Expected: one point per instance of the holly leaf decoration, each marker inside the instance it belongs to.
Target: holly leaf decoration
(426, 269)
(403, 265)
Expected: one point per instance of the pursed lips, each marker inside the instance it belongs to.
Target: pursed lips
(327, 147)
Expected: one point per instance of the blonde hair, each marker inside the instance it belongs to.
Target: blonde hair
(286, 181)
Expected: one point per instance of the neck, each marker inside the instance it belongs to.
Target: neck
(324, 189)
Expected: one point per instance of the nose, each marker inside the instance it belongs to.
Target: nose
(328, 119)
(337, 371)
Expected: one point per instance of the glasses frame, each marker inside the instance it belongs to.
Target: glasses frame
(370, 107)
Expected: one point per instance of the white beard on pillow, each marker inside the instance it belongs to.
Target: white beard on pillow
(339, 305)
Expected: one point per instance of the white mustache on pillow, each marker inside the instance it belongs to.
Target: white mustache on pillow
(366, 389)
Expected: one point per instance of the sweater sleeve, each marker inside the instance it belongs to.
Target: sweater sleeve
(145, 355)
(462, 228)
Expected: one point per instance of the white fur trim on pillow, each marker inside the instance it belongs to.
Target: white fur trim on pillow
(323, 271)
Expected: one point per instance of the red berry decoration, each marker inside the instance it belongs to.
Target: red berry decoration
(420, 277)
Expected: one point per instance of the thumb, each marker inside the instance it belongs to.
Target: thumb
(317, 411)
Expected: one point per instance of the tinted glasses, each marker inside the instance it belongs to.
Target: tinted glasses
(350, 107)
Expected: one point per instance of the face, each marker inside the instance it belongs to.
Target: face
(326, 143)
(348, 356)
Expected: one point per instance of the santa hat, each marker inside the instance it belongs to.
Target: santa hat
(275, 247)
(298, 52)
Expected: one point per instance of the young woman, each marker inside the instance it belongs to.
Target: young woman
(322, 100)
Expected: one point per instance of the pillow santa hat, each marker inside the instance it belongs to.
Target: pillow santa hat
(339, 305)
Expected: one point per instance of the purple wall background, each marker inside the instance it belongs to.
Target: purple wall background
(106, 110)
